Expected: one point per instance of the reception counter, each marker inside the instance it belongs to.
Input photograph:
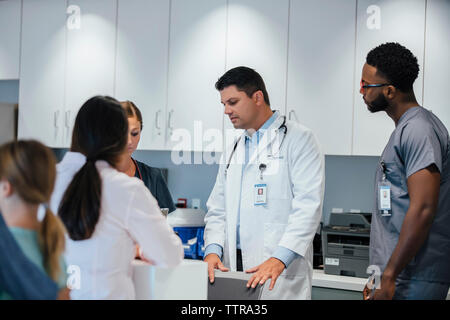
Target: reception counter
(189, 281)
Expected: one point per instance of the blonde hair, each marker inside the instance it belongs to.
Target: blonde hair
(30, 168)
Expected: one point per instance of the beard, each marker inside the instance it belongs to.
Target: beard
(379, 104)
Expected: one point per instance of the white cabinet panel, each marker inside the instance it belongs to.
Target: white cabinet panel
(90, 55)
(320, 74)
(381, 21)
(41, 93)
(10, 17)
(437, 60)
(257, 37)
(196, 61)
(142, 62)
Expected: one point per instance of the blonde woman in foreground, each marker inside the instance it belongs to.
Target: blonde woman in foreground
(27, 177)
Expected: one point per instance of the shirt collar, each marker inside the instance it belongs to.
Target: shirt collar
(407, 115)
(73, 159)
(259, 133)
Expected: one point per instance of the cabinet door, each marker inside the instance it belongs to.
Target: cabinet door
(90, 55)
(378, 22)
(196, 61)
(142, 62)
(41, 93)
(257, 37)
(10, 16)
(437, 60)
(320, 74)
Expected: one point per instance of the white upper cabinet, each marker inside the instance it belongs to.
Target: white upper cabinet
(321, 84)
(437, 60)
(91, 52)
(378, 22)
(142, 63)
(10, 18)
(166, 57)
(196, 61)
(41, 93)
(257, 37)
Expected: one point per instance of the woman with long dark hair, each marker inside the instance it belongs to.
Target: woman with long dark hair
(104, 211)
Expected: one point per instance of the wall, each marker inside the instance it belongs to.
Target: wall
(9, 91)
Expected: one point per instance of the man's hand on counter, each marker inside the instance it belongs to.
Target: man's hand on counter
(214, 262)
(270, 269)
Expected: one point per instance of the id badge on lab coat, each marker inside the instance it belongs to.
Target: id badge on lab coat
(260, 194)
(384, 199)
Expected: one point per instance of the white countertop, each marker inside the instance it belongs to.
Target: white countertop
(320, 279)
(187, 281)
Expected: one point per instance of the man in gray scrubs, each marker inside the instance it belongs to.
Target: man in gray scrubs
(410, 231)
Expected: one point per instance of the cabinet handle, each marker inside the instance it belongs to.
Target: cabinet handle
(67, 125)
(56, 118)
(67, 120)
(170, 122)
(292, 112)
(56, 125)
(158, 127)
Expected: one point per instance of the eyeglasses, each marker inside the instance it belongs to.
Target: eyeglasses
(375, 85)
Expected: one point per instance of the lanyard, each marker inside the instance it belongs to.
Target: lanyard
(383, 168)
(137, 168)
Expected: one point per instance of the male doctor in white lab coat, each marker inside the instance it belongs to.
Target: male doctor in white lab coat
(266, 204)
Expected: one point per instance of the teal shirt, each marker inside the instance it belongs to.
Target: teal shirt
(28, 241)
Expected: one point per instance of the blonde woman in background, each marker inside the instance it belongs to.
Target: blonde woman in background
(151, 176)
(27, 178)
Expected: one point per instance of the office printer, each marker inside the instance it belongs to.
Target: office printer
(345, 244)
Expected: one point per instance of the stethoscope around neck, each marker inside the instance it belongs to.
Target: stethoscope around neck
(262, 166)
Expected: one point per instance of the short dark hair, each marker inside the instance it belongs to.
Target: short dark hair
(245, 79)
(396, 63)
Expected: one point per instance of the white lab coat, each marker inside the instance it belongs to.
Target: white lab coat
(100, 266)
(295, 181)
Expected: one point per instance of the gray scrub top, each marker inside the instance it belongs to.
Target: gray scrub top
(419, 140)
